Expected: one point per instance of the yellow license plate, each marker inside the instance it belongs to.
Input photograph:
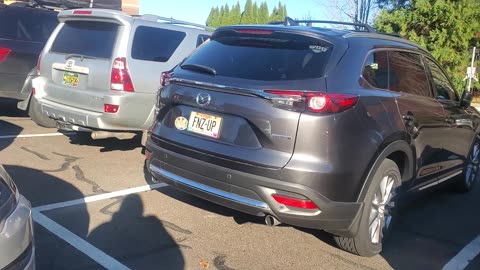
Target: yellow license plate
(70, 79)
(205, 124)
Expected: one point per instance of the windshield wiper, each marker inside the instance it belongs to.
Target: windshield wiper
(81, 56)
(199, 68)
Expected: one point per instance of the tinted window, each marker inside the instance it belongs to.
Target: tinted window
(155, 44)
(94, 39)
(441, 84)
(263, 58)
(201, 39)
(27, 24)
(407, 74)
(375, 70)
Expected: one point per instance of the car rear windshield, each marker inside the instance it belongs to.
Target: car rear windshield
(27, 24)
(263, 58)
(93, 39)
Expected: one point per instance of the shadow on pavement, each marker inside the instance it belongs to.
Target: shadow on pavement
(138, 241)
(105, 145)
(432, 229)
(8, 129)
(41, 189)
(8, 107)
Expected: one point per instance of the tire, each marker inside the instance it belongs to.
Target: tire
(466, 181)
(367, 243)
(35, 113)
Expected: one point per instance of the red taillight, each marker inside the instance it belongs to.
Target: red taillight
(110, 108)
(82, 12)
(320, 102)
(34, 91)
(299, 203)
(148, 154)
(254, 31)
(4, 52)
(120, 79)
(165, 78)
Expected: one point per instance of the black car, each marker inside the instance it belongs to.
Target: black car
(313, 127)
(23, 33)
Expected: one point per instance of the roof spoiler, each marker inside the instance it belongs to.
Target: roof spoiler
(358, 26)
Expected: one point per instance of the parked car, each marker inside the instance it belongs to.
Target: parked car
(16, 227)
(313, 127)
(99, 69)
(23, 32)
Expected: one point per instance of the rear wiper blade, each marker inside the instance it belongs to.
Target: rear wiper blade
(81, 56)
(199, 68)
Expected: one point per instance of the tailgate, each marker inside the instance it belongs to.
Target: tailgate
(78, 63)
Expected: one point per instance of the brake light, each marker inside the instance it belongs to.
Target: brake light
(4, 52)
(314, 102)
(82, 12)
(254, 31)
(110, 108)
(294, 202)
(165, 78)
(34, 92)
(120, 78)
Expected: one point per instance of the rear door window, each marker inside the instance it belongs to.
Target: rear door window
(155, 44)
(88, 38)
(27, 24)
(375, 70)
(407, 74)
(263, 58)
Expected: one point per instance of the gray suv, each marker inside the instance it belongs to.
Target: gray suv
(313, 127)
(99, 71)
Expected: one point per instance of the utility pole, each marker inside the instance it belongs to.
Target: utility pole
(472, 70)
(91, 3)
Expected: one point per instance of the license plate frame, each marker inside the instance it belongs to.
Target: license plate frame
(70, 79)
(209, 127)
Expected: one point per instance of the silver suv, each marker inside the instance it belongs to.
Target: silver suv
(97, 67)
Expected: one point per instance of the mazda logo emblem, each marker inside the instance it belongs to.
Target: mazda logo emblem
(203, 99)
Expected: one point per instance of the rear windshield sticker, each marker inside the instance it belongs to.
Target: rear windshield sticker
(318, 49)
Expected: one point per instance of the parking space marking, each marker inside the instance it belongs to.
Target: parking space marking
(35, 135)
(99, 197)
(463, 258)
(83, 246)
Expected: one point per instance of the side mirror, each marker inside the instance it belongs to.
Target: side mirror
(466, 99)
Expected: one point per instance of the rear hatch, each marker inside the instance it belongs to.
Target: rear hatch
(79, 57)
(237, 98)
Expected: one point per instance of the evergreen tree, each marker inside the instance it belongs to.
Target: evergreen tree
(247, 15)
(255, 13)
(221, 16)
(235, 14)
(263, 16)
(215, 17)
(447, 28)
(210, 17)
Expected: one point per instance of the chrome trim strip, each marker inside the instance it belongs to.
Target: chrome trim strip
(214, 191)
(441, 180)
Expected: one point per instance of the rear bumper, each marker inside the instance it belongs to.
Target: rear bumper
(128, 118)
(16, 239)
(250, 193)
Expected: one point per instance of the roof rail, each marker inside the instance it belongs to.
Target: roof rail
(291, 22)
(155, 18)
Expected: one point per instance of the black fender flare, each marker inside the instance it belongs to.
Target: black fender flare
(395, 146)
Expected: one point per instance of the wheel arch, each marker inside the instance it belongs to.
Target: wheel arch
(401, 153)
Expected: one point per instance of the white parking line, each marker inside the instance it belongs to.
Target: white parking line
(463, 258)
(99, 197)
(83, 246)
(35, 135)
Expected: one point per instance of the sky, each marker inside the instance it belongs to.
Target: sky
(197, 11)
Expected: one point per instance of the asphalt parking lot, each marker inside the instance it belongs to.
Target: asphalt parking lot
(156, 227)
